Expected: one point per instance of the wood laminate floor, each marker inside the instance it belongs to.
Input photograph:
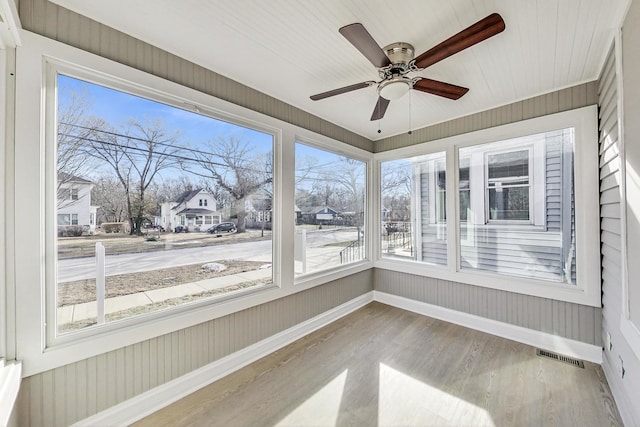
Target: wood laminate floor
(383, 366)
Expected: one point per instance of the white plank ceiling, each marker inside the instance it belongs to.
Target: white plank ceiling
(292, 49)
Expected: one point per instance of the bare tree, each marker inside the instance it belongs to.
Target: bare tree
(74, 126)
(137, 156)
(348, 180)
(167, 189)
(233, 165)
(109, 195)
(396, 189)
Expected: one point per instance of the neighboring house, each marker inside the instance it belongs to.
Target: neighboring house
(319, 215)
(518, 192)
(259, 213)
(385, 214)
(74, 203)
(195, 209)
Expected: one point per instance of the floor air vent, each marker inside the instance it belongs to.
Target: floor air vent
(571, 361)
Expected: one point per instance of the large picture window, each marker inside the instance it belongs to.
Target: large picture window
(178, 201)
(522, 222)
(191, 197)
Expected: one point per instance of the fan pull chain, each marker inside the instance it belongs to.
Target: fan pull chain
(409, 112)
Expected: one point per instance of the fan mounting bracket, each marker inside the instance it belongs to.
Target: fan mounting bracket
(400, 55)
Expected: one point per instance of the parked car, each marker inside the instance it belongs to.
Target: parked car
(229, 227)
(181, 229)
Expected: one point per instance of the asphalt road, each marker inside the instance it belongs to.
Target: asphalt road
(85, 268)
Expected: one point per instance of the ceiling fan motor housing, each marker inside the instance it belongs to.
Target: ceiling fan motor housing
(399, 53)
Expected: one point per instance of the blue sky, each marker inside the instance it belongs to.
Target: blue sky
(117, 108)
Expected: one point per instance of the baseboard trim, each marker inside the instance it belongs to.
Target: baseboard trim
(144, 404)
(623, 403)
(565, 346)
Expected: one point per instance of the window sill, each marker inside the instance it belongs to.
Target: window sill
(81, 346)
(316, 278)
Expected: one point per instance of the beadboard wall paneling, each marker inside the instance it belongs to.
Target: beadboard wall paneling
(72, 392)
(52, 21)
(573, 321)
(554, 102)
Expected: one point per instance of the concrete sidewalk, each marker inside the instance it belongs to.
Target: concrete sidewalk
(317, 259)
(87, 310)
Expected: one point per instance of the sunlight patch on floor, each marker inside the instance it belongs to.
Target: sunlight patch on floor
(404, 400)
(322, 408)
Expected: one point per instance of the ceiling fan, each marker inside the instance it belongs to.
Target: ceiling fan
(395, 61)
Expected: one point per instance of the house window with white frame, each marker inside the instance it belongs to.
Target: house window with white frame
(67, 219)
(508, 185)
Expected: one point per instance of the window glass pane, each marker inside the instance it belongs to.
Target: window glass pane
(509, 203)
(463, 185)
(520, 222)
(330, 200)
(508, 185)
(172, 197)
(413, 210)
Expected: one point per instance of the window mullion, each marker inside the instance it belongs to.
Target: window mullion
(452, 178)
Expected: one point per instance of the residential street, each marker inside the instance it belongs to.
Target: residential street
(260, 250)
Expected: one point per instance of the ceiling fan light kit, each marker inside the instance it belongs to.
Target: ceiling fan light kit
(396, 61)
(395, 88)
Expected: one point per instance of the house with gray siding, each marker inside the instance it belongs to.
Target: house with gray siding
(513, 192)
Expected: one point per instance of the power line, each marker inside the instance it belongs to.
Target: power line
(194, 150)
(142, 151)
(135, 138)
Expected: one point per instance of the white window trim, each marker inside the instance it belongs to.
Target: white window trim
(587, 292)
(531, 185)
(629, 330)
(537, 173)
(29, 175)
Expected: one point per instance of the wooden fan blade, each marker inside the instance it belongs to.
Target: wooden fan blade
(360, 38)
(380, 109)
(436, 87)
(345, 89)
(481, 30)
